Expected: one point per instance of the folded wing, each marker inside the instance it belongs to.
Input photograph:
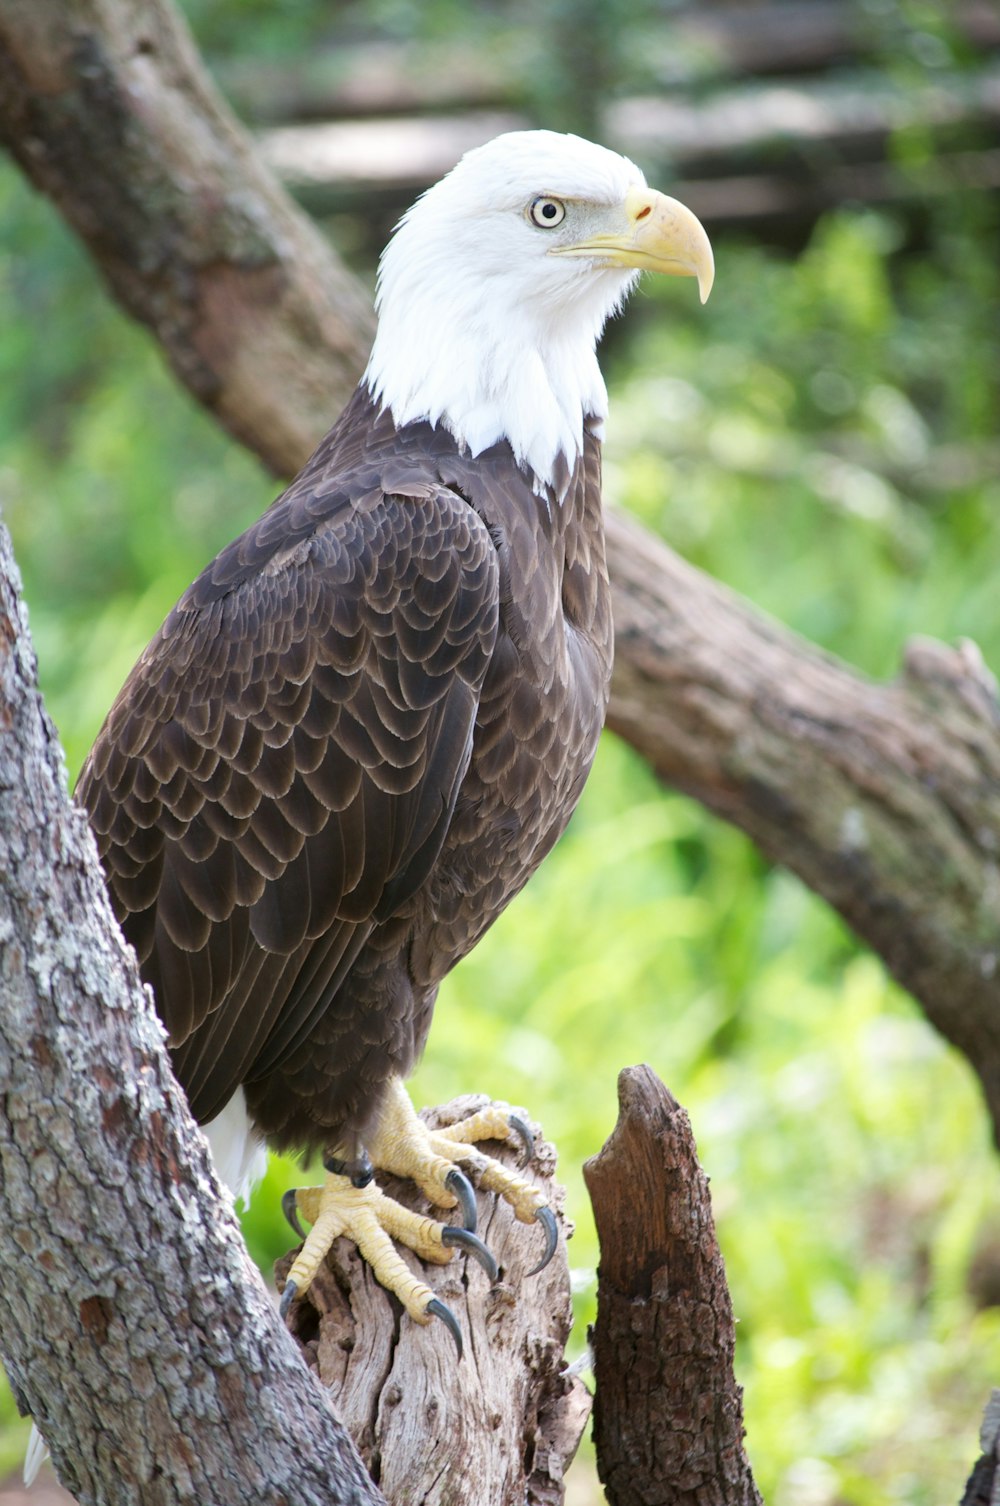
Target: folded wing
(280, 769)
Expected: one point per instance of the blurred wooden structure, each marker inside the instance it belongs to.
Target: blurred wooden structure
(762, 114)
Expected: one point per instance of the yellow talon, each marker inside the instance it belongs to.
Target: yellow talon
(371, 1220)
(490, 1123)
(404, 1145)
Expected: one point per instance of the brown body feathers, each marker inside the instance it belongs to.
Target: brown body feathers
(349, 746)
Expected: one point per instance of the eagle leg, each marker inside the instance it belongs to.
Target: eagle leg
(372, 1220)
(404, 1145)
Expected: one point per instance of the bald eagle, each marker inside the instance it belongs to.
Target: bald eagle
(364, 725)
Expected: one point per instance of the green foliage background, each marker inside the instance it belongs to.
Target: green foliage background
(822, 437)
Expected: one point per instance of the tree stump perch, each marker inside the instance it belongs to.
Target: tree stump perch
(500, 1426)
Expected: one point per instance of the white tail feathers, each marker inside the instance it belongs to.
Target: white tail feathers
(38, 1452)
(238, 1152)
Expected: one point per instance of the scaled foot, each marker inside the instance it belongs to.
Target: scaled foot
(350, 1203)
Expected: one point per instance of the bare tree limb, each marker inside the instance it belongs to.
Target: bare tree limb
(668, 1414)
(133, 1325)
(884, 799)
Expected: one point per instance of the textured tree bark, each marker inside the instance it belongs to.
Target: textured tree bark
(133, 1325)
(108, 109)
(499, 1428)
(884, 799)
(983, 1485)
(668, 1414)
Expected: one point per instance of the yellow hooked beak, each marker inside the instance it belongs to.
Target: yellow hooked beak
(660, 235)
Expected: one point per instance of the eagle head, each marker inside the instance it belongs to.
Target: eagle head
(497, 283)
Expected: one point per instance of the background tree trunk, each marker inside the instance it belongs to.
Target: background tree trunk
(884, 799)
(108, 109)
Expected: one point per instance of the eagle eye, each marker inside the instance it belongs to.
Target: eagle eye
(546, 212)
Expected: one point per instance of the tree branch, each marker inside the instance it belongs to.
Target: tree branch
(133, 1325)
(884, 799)
(668, 1414)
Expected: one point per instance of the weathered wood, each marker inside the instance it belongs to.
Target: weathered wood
(133, 1325)
(377, 76)
(837, 112)
(338, 161)
(697, 43)
(668, 1414)
(501, 1426)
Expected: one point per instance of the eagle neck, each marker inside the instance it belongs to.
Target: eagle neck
(493, 481)
(534, 389)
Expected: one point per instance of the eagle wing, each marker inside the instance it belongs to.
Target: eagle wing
(279, 771)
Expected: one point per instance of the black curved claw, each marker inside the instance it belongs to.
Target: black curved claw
(291, 1212)
(472, 1245)
(519, 1127)
(287, 1298)
(459, 1185)
(359, 1169)
(437, 1309)
(547, 1219)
